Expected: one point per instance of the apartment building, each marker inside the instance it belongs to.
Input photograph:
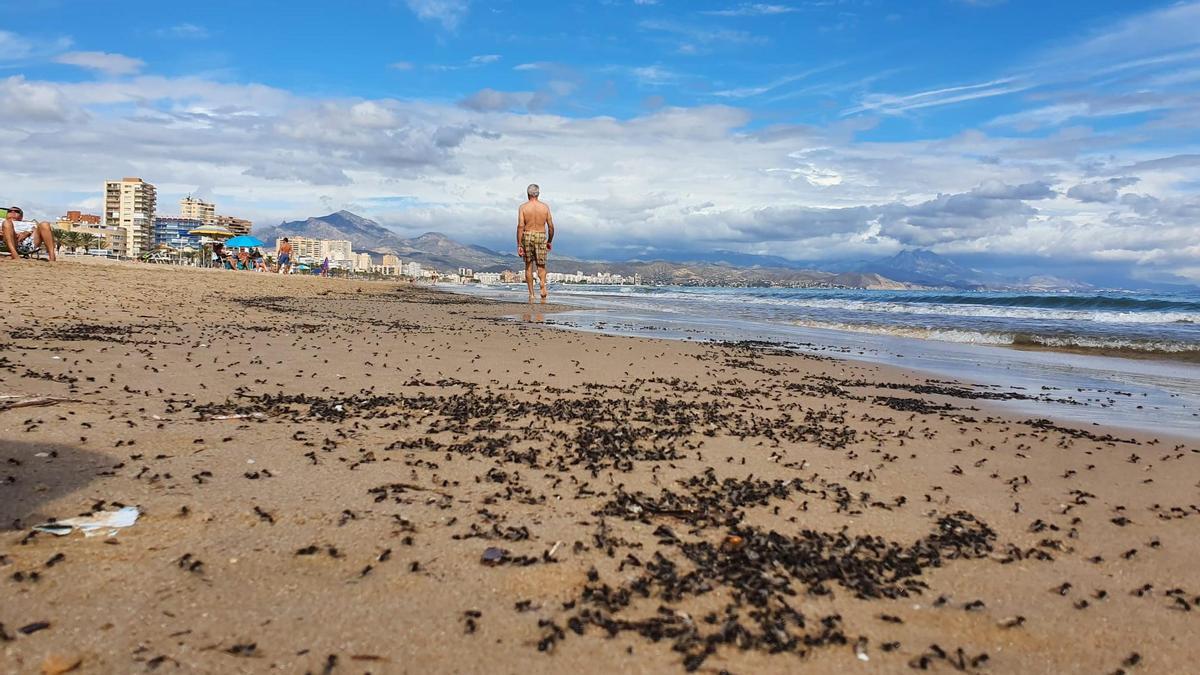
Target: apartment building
(311, 250)
(194, 208)
(74, 218)
(173, 232)
(238, 226)
(129, 206)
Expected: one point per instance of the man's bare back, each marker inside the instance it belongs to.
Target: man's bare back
(534, 215)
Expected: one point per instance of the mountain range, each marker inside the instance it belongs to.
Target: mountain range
(907, 269)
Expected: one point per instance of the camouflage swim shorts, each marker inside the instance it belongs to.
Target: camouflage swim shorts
(534, 244)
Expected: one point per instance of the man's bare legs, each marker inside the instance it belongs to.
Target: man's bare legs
(542, 278)
(529, 275)
(10, 240)
(44, 236)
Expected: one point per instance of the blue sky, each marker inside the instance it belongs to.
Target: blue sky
(990, 130)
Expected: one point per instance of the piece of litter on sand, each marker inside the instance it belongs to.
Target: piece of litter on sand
(94, 524)
(254, 415)
(493, 556)
(8, 402)
(860, 649)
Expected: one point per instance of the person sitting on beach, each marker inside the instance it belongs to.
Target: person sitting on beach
(285, 257)
(26, 236)
(535, 232)
(243, 259)
(260, 264)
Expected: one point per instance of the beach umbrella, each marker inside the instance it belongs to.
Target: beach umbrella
(245, 241)
(214, 231)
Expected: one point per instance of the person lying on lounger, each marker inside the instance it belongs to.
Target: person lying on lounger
(24, 237)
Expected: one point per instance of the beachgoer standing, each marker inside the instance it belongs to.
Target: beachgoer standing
(285, 257)
(26, 235)
(535, 234)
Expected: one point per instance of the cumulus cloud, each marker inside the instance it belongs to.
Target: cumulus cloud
(104, 62)
(490, 100)
(26, 102)
(1102, 192)
(693, 178)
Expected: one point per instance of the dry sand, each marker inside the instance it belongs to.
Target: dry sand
(708, 506)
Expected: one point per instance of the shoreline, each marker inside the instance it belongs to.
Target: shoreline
(325, 465)
(1094, 388)
(1049, 342)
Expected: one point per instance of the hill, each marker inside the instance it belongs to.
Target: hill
(437, 251)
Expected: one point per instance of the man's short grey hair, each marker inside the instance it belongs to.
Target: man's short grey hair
(533, 190)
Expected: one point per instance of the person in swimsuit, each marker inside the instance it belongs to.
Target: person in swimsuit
(535, 234)
(26, 236)
(285, 257)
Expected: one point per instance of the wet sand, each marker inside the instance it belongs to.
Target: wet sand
(349, 477)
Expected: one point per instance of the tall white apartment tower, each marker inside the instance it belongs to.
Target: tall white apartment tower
(198, 209)
(129, 204)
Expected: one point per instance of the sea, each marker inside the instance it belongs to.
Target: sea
(1120, 358)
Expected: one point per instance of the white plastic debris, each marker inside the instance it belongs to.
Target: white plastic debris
(860, 649)
(106, 522)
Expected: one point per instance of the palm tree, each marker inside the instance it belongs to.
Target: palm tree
(64, 238)
(88, 241)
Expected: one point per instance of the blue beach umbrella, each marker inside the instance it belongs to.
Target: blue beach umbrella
(244, 241)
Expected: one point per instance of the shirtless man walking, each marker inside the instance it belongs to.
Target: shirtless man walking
(535, 232)
(285, 256)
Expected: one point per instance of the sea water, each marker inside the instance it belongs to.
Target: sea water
(1119, 358)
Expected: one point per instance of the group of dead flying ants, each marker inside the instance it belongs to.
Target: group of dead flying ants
(761, 570)
(607, 432)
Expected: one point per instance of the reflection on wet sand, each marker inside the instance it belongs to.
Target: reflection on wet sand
(534, 314)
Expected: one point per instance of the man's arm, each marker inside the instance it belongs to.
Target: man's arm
(549, 229)
(10, 238)
(520, 230)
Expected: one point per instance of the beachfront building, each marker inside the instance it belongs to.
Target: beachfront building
(68, 222)
(362, 262)
(173, 232)
(315, 251)
(238, 226)
(487, 277)
(338, 251)
(87, 223)
(412, 269)
(129, 205)
(194, 208)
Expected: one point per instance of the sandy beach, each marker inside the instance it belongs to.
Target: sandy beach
(350, 477)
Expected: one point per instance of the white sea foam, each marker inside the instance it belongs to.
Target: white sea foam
(1002, 338)
(894, 306)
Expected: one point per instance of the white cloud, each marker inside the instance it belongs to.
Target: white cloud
(184, 31)
(691, 39)
(700, 178)
(473, 62)
(753, 9)
(653, 75)
(13, 47)
(104, 62)
(889, 104)
(449, 13)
